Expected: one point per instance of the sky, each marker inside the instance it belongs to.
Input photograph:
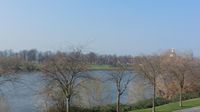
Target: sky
(119, 27)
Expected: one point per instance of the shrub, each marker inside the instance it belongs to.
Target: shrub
(148, 103)
(106, 108)
(29, 66)
(111, 108)
(186, 96)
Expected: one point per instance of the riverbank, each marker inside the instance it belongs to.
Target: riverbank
(104, 67)
(101, 67)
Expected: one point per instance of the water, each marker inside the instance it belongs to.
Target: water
(22, 95)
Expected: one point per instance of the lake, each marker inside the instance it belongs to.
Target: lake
(22, 94)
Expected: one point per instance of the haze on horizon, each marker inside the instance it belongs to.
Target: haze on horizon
(111, 27)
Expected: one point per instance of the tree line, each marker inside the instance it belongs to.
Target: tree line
(40, 56)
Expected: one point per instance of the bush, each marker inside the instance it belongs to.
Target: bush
(148, 103)
(186, 96)
(29, 67)
(106, 108)
(161, 101)
(80, 109)
(111, 108)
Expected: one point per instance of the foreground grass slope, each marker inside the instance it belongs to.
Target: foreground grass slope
(173, 106)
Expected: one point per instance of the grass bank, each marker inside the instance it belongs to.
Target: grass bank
(101, 67)
(173, 106)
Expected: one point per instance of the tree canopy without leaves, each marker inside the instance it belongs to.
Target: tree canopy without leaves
(67, 71)
(121, 77)
(149, 67)
(180, 67)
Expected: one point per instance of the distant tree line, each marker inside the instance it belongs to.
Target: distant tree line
(34, 55)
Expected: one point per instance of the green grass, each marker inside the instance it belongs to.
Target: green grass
(174, 106)
(100, 67)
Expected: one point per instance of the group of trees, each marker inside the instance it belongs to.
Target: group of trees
(94, 58)
(68, 72)
(180, 69)
(28, 55)
(160, 70)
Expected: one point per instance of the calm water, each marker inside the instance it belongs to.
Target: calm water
(22, 95)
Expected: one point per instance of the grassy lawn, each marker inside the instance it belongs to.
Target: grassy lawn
(173, 106)
(100, 67)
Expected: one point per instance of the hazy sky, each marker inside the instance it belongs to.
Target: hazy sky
(105, 26)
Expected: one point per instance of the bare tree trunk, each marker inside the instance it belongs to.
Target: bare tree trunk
(154, 96)
(118, 102)
(180, 101)
(68, 105)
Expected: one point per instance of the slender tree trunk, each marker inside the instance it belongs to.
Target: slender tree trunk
(154, 96)
(118, 102)
(180, 100)
(68, 105)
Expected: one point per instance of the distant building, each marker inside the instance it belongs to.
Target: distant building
(172, 52)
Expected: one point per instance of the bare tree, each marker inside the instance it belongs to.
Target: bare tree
(180, 67)
(121, 79)
(149, 67)
(67, 71)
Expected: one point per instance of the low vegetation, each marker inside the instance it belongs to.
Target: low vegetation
(101, 67)
(173, 106)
